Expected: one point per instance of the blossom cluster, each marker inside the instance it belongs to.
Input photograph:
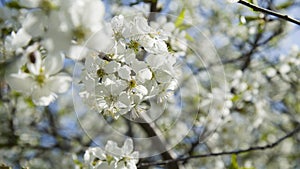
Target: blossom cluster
(113, 156)
(38, 35)
(139, 66)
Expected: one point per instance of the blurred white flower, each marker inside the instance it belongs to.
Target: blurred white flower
(271, 72)
(20, 39)
(40, 78)
(61, 24)
(285, 68)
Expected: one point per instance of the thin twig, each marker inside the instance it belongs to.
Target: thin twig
(255, 148)
(270, 12)
(254, 47)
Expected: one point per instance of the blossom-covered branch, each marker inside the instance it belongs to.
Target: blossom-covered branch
(254, 148)
(270, 12)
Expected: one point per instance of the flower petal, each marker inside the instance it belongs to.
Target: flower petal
(112, 67)
(127, 147)
(59, 83)
(112, 148)
(54, 63)
(43, 96)
(20, 82)
(144, 74)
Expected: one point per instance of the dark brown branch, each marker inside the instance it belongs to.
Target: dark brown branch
(269, 12)
(254, 47)
(159, 143)
(153, 9)
(129, 132)
(255, 148)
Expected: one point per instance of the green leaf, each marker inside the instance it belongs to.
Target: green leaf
(285, 5)
(189, 37)
(184, 26)
(234, 164)
(253, 2)
(29, 102)
(180, 18)
(235, 98)
(78, 163)
(13, 4)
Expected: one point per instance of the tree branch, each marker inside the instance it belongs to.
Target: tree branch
(255, 148)
(153, 9)
(159, 143)
(247, 57)
(269, 12)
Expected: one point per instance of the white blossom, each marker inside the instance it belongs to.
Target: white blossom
(119, 69)
(113, 156)
(39, 78)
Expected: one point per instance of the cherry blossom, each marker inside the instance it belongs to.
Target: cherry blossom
(39, 78)
(113, 156)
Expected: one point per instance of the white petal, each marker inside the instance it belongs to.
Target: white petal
(160, 46)
(77, 52)
(112, 148)
(21, 82)
(163, 77)
(124, 99)
(155, 60)
(140, 89)
(138, 65)
(142, 25)
(128, 146)
(131, 165)
(34, 23)
(21, 38)
(144, 74)
(93, 152)
(59, 83)
(117, 23)
(169, 27)
(87, 156)
(124, 72)
(53, 63)
(112, 67)
(97, 38)
(129, 58)
(118, 87)
(98, 152)
(135, 155)
(43, 96)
